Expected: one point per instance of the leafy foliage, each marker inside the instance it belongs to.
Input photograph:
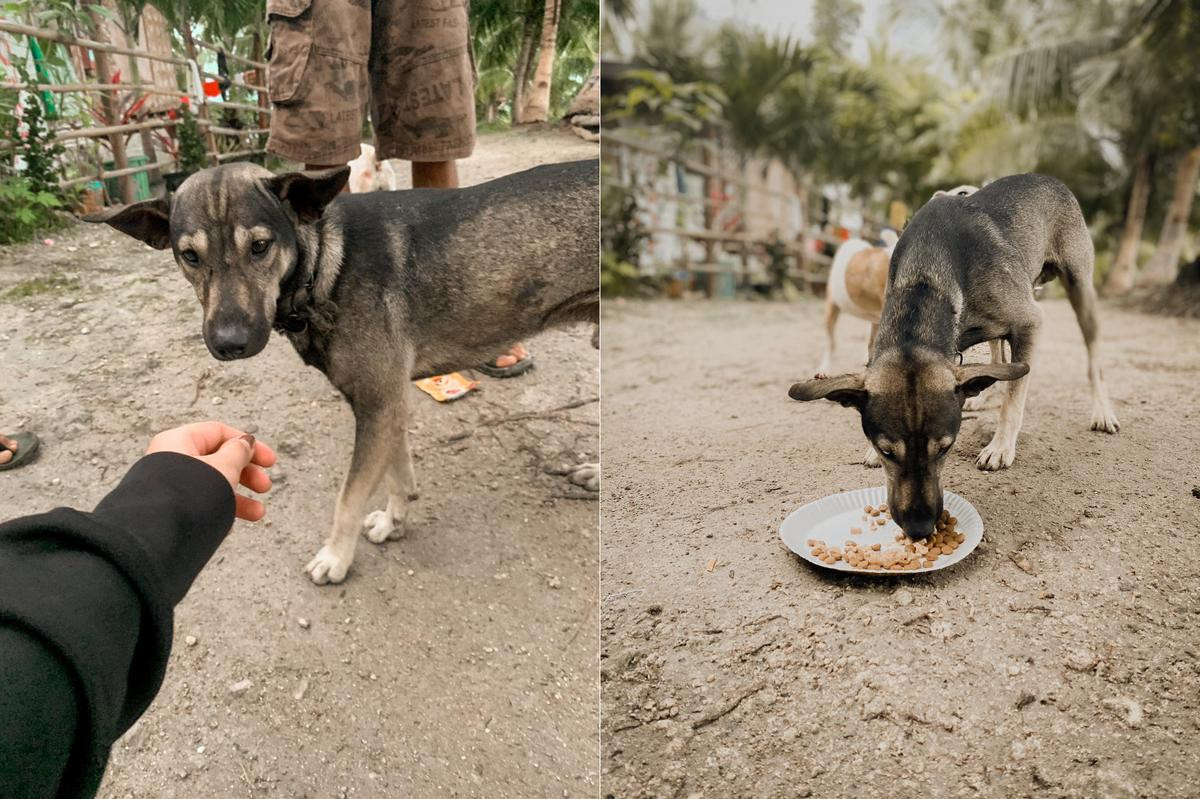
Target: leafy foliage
(497, 29)
(622, 234)
(29, 193)
(24, 212)
(193, 156)
(684, 108)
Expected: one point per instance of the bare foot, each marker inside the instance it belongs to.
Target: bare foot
(515, 355)
(9, 450)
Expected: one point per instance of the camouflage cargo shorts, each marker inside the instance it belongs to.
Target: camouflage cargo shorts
(410, 59)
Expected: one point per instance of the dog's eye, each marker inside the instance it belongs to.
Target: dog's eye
(190, 256)
(887, 453)
(260, 246)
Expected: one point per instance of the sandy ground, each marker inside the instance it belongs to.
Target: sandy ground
(458, 661)
(1075, 676)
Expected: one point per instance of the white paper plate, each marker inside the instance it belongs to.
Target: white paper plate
(831, 518)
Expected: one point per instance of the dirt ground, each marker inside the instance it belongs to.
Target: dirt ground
(458, 661)
(1060, 659)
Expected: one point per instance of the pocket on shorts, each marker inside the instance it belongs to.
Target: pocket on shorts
(291, 44)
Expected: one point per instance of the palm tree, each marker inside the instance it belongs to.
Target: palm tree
(750, 69)
(1123, 75)
(1171, 31)
(537, 106)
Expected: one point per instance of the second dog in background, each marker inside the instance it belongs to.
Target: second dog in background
(368, 173)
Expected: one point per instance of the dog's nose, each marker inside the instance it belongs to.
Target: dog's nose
(918, 528)
(230, 340)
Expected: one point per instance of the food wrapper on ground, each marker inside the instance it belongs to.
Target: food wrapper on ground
(444, 388)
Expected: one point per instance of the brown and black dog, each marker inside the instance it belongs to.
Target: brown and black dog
(377, 289)
(964, 272)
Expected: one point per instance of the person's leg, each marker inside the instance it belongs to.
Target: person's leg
(423, 97)
(435, 174)
(318, 81)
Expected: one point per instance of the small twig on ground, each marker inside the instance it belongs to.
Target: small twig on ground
(726, 708)
(200, 381)
(246, 778)
(516, 417)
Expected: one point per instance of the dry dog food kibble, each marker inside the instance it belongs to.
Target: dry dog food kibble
(909, 555)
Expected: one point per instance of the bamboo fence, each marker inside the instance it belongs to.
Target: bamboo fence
(109, 93)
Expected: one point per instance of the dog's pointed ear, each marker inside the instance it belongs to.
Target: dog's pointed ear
(148, 221)
(845, 390)
(309, 192)
(972, 378)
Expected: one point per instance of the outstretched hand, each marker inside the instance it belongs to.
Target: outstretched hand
(236, 455)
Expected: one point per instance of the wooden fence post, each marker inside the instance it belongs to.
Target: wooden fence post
(260, 79)
(109, 103)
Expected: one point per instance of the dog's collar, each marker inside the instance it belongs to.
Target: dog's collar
(293, 321)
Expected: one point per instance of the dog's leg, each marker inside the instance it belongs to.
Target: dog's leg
(380, 525)
(975, 403)
(374, 427)
(1083, 299)
(831, 317)
(1002, 449)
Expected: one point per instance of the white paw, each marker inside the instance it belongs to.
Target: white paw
(975, 403)
(996, 456)
(586, 475)
(871, 459)
(327, 567)
(378, 526)
(1105, 420)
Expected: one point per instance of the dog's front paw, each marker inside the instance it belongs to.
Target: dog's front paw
(378, 526)
(328, 566)
(996, 456)
(1104, 420)
(871, 459)
(586, 475)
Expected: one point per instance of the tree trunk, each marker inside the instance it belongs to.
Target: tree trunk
(537, 107)
(1164, 264)
(108, 102)
(521, 72)
(1120, 275)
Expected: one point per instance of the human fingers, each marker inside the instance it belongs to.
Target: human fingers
(256, 479)
(249, 509)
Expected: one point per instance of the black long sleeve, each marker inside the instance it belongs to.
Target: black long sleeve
(86, 614)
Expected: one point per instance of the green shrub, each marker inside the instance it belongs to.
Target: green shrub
(25, 212)
(622, 234)
(193, 156)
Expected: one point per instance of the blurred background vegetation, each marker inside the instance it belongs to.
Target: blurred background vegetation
(1103, 94)
(536, 60)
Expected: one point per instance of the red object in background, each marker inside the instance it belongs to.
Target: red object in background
(211, 88)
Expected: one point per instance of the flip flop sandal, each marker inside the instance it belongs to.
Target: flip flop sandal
(27, 447)
(520, 367)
